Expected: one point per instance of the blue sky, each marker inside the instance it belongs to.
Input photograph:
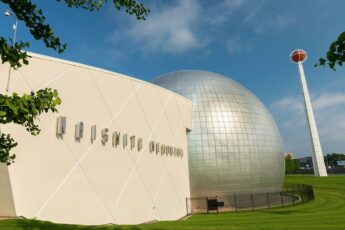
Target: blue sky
(249, 41)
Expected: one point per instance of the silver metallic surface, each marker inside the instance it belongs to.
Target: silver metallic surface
(104, 133)
(93, 133)
(79, 130)
(234, 146)
(61, 125)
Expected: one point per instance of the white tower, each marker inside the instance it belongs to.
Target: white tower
(299, 56)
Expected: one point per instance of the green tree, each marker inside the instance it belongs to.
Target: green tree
(336, 53)
(291, 165)
(25, 110)
(334, 157)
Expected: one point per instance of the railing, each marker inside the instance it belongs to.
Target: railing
(290, 194)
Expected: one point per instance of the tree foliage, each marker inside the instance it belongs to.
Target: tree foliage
(35, 21)
(332, 158)
(24, 110)
(131, 6)
(291, 165)
(336, 53)
(6, 144)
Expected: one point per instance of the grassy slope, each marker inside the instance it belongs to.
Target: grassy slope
(327, 211)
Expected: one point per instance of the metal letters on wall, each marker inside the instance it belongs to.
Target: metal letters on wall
(61, 125)
(151, 146)
(104, 136)
(124, 140)
(163, 149)
(116, 139)
(140, 144)
(132, 142)
(79, 134)
(157, 148)
(79, 130)
(93, 133)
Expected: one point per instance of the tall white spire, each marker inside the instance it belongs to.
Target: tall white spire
(299, 56)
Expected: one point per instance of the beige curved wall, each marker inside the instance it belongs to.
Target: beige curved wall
(69, 181)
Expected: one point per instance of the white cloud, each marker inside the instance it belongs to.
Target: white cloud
(169, 28)
(289, 104)
(329, 100)
(232, 4)
(262, 18)
(329, 111)
(236, 44)
(217, 14)
(185, 25)
(268, 22)
(180, 26)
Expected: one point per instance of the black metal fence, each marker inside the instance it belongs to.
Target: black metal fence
(290, 194)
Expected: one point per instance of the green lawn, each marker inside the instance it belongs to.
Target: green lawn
(327, 211)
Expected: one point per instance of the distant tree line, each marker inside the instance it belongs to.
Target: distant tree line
(332, 158)
(293, 166)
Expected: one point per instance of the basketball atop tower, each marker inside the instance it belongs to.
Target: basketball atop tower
(298, 56)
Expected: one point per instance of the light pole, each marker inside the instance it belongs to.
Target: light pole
(14, 27)
(299, 56)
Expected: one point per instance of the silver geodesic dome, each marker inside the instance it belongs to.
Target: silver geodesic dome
(234, 146)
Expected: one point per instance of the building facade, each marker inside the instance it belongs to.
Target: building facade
(116, 152)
